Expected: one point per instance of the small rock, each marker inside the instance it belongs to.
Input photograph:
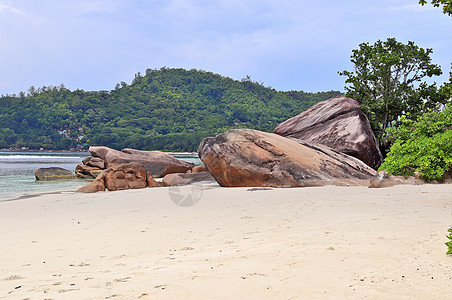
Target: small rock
(186, 178)
(259, 189)
(199, 169)
(98, 185)
(382, 180)
(94, 162)
(53, 173)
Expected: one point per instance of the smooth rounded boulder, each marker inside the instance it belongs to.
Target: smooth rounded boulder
(53, 173)
(156, 162)
(186, 178)
(338, 123)
(251, 158)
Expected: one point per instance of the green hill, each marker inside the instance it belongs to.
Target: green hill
(166, 109)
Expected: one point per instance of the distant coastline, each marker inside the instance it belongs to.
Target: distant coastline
(24, 149)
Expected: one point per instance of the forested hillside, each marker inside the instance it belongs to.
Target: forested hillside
(166, 109)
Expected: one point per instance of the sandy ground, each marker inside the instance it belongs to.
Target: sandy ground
(304, 243)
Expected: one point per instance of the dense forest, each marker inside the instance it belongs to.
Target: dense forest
(165, 109)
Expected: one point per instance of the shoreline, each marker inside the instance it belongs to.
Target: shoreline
(42, 151)
(321, 242)
(17, 177)
(33, 194)
(6, 150)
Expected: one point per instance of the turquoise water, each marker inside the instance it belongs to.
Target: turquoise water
(17, 172)
(194, 159)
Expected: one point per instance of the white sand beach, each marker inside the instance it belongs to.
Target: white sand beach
(299, 243)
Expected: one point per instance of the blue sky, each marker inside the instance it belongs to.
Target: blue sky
(288, 45)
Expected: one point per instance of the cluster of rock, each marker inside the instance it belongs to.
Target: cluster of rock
(331, 143)
(124, 176)
(134, 169)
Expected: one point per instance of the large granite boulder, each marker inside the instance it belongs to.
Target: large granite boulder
(156, 162)
(121, 177)
(246, 157)
(338, 123)
(125, 176)
(53, 173)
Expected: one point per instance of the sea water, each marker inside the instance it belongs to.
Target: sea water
(17, 171)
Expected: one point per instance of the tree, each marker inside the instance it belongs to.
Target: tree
(446, 88)
(170, 109)
(447, 5)
(422, 147)
(387, 82)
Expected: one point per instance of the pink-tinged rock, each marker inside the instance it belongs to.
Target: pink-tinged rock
(84, 171)
(98, 185)
(382, 180)
(121, 177)
(186, 178)
(95, 162)
(338, 123)
(156, 162)
(151, 181)
(199, 169)
(245, 157)
(125, 176)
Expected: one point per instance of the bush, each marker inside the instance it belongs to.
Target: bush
(422, 147)
(449, 243)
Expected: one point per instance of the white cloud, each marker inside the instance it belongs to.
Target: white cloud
(93, 44)
(7, 7)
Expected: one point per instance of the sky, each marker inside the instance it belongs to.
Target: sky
(286, 45)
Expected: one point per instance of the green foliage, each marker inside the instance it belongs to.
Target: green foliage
(166, 109)
(387, 82)
(447, 5)
(446, 89)
(449, 243)
(422, 147)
